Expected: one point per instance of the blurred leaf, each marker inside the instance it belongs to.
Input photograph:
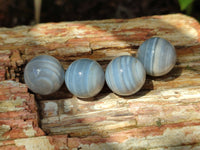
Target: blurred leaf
(184, 4)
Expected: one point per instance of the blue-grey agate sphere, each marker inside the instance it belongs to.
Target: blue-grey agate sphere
(157, 55)
(125, 75)
(84, 78)
(44, 75)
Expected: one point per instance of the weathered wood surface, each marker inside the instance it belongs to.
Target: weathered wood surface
(165, 114)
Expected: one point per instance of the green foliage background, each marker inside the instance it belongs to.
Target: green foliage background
(186, 5)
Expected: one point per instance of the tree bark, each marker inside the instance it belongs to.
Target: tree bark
(164, 114)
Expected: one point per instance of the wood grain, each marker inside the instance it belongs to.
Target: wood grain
(165, 114)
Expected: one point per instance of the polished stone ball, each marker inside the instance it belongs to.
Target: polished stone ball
(157, 55)
(125, 75)
(44, 75)
(84, 78)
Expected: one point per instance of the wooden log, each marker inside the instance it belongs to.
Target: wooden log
(165, 114)
(18, 112)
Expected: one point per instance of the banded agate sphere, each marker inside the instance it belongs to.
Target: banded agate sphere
(44, 75)
(84, 78)
(125, 75)
(157, 55)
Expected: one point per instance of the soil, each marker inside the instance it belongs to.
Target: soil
(15, 12)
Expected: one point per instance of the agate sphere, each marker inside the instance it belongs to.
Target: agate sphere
(44, 75)
(84, 78)
(157, 55)
(125, 75)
